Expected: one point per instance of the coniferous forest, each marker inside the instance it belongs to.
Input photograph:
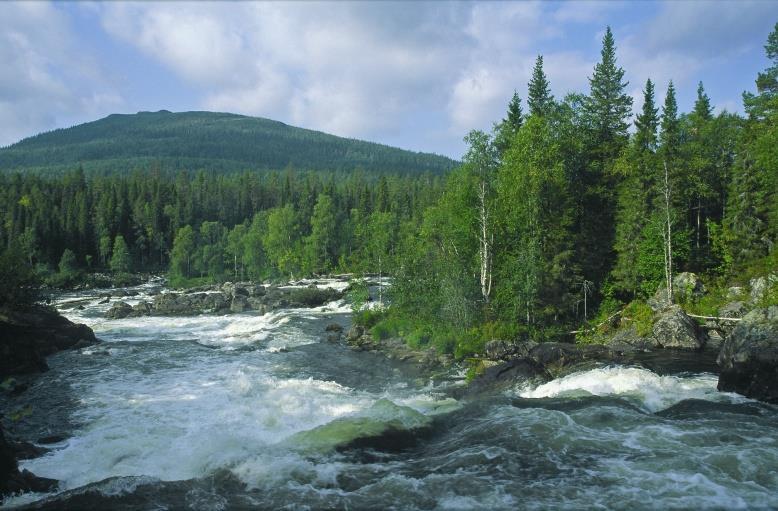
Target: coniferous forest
(570, 209)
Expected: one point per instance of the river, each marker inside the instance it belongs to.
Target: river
(211, 412)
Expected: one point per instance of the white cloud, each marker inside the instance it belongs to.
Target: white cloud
(41, 68)
(405, 73)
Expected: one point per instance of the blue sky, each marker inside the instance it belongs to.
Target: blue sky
(414, 75)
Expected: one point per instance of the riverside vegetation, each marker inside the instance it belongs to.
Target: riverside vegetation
(560, 225)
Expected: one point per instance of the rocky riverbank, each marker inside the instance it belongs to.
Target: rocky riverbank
(741, 344)
(224, 299)
(27, 337)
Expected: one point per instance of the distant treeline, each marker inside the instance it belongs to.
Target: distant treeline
(256, 224)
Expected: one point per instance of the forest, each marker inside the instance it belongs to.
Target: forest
(218, 142)
(569, 209)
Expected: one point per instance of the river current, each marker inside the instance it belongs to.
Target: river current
(210, 412)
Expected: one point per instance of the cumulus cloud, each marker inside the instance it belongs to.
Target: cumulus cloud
(41, 68)
(418, 75)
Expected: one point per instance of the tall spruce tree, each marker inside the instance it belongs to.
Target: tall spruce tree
(635, 205)
(505, 130)
(539, 98)
(606, 111)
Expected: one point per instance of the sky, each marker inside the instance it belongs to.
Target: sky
(409, 74)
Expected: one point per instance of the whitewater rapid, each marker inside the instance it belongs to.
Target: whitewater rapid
(245, 410)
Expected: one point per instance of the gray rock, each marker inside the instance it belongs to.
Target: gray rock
(239, 304)
(749, 356)
(498, 349)
(674, 329)
(628, 337)
(735, 292)
(733, 310)
(759, 287)
(119, 310)
(688, 284)
(333, 327)
(141, 309)
(659, 301)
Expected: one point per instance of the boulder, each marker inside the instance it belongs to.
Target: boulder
(13, 481)
(674, 329)
(659, 301)
(141, 309)
(759, 287)
(333, 327)
(733, 310)
(628, 338)
(498, 349)
(507, 374)
(749, 356)
(239, 304)
(119, 310)
(687, 284)
(28, 336)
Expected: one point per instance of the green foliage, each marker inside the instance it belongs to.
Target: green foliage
(358, 294)
(20, 285)
(639, 315)
(121, 262)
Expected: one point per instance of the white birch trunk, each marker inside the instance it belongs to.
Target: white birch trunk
(668, 239)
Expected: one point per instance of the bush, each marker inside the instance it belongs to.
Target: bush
(640, 316)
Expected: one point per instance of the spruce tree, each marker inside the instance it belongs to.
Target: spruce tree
(539, 98)
(505, 130)
(633, 272)
(608, 106)
(606, 113)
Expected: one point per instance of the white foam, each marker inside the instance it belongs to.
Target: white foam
(647, 389)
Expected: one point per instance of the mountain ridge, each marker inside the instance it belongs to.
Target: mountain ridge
(195, 140)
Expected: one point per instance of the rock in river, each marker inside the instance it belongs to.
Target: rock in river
(749, 356)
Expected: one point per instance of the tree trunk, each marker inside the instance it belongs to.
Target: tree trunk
(668, 239)
(485, 245)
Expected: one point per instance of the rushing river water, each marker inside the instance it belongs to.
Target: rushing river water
(209, 412)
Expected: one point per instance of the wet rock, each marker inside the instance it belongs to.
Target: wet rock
(749, 356)
(507, 374)
(333, 337)
(256, 290)
(119, 310)
(14, 481)
(333, 327)
(628, 338)
(141, 309)
(104, 300)
(28, 336)
(239, 304)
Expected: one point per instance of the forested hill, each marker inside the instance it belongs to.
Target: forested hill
(206, 140)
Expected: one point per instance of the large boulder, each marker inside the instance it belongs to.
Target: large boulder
(759, 287)
(28, 336)
(499, 349)
(674, 329)
(119, 310)
(749, 356)
(14, 481)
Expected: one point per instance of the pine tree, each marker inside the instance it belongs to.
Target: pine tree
(606, 112)
(539, 98)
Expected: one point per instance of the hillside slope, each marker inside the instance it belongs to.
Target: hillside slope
(208, 140)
